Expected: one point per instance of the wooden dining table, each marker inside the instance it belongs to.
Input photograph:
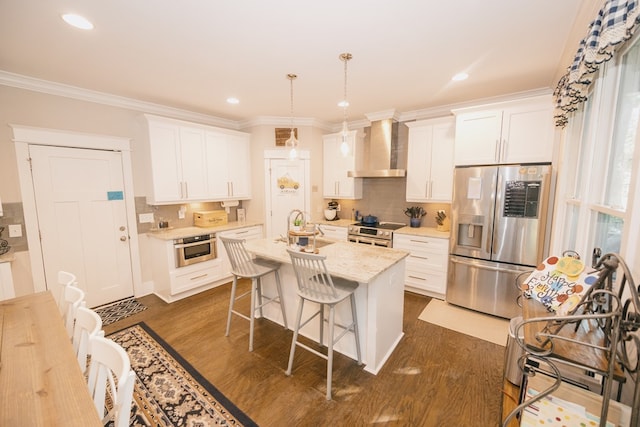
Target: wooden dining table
(41, 383)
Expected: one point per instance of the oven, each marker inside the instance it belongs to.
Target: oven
(195, 249)
(378, 234)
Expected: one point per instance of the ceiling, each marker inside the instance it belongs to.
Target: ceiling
(194, 54)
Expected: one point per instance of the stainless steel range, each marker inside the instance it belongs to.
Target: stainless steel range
(376, 234)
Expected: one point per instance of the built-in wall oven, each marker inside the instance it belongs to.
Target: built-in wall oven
(195, 249)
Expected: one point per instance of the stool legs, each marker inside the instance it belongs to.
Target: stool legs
(294, 340)
(231, 301)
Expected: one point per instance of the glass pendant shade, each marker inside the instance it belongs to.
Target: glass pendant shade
(344, 134)
(344, 146)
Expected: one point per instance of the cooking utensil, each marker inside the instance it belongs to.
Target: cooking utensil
(369, 220)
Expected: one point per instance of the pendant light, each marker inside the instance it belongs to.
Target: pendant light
(292, 142)
(344, 146)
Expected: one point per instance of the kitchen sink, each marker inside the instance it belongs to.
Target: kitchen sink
(323, 243)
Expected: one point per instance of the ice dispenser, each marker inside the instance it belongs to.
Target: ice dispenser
(470, 230)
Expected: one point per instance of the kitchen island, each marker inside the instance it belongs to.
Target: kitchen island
(379, 298)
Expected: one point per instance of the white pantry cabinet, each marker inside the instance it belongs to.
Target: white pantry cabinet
(426, 265)
(430, 160)
(192, 162)
(336, 183)
(511, 132)
(246, 233)
(229, 165)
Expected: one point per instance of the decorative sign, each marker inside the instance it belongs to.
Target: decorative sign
(282, 134)
(287, 184)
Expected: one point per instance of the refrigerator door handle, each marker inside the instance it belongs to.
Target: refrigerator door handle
(486, 267)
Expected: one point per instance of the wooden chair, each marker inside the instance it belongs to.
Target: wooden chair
(88, 324)
(110, 374)
(74, 298)
(245, 266)
(315, 284)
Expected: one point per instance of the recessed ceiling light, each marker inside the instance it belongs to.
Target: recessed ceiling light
(233, 100)
(77, 21)
(343, 104)
(459, 77)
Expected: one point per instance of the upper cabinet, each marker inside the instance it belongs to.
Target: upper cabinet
(191, 162)
(511, 132)
(430, 160)
(228, 160)
(336, 183)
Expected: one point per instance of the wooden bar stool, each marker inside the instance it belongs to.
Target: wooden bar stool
(315, 284)
(243, 265)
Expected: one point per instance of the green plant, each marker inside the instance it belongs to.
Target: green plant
(440, 217)
(415, 212)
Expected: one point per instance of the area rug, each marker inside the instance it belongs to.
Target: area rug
(168, 390)
(468, 322)
(118, 310)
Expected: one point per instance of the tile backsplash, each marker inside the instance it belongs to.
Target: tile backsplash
(385, 198)
(13, 214)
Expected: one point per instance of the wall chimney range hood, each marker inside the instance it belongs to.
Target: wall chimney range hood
(385, 151)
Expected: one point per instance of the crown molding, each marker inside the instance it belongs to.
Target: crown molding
(67, 91)
(285, 122)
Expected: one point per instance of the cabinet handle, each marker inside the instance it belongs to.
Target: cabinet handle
(199, 277)
(419, 257)
(186, 190)
(419, 278)
(430, 189)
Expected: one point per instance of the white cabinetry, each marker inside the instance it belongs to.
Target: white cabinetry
(334, 232)
(178, 162)
(430, 160)
(426, 265)
(191, 162)
(228, 161)
(172, 283)
(246, 233)
(510, 132)
(336, 183)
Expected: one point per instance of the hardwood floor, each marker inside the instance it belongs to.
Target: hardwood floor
(435, 377)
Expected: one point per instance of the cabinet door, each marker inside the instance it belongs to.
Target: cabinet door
(239, 162)
(419, 163)
(166, 163)
(194, 163)
(217, 166)
(528, 134)
(477, 137)
(441, 162)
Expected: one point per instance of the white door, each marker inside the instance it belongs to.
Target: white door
(82, 220)
(288, 190)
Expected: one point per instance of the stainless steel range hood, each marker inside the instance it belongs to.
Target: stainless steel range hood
(385, 151)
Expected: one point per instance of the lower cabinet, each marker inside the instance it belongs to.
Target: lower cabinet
(334, 232)
(247, 233)
(426, 265)
(6, 281)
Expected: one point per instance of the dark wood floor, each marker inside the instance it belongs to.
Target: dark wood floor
(435, 377)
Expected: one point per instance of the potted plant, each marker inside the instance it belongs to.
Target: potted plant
(415, 214)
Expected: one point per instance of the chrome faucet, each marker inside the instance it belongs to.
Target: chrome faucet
(299, 215)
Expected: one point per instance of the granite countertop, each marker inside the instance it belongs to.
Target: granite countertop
(423, 231)
(179, 233)
(362, 263)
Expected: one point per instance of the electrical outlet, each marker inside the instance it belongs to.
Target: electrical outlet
(15, 230)
(339, 208)
(145, 218)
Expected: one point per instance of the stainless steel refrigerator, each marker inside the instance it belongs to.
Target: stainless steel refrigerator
(499, 229)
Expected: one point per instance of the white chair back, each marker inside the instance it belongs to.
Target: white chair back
(110, 372)
(88, 325)
(312, 277)
(74, 298)
(241, 261)
(65, 279)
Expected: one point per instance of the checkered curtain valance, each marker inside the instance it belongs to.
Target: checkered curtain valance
(615, 23)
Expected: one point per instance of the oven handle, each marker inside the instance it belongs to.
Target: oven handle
(188, 245)
(367, 241)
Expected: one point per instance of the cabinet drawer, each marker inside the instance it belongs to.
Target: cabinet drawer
(428, 280)
(247, 233)
(429, 259)
(182, 282)
(410, 243)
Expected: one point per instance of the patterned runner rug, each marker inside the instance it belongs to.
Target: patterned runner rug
(119, 310)
(168, 391)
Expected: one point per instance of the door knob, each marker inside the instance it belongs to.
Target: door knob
(122, 228)
(123, 238)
